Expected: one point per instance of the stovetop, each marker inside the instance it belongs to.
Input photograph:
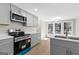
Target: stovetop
(20, 38)
(18, 34)
(22, 35)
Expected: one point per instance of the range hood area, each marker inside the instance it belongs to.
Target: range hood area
(15, 14)
(18, 18)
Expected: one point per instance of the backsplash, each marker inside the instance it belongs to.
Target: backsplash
(15, 25)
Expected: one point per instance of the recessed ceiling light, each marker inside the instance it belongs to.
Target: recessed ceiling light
(57, 18)
(50, 18)
(35, 9)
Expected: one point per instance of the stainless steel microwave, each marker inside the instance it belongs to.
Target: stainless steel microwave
(18, 18)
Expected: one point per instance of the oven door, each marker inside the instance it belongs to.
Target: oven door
(21, 45)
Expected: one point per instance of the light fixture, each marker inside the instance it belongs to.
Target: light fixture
(56, 18)
(36, 10)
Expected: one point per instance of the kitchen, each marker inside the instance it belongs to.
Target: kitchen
(19, 29)
(22, 29)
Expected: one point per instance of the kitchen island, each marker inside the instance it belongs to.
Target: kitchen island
(64, 46)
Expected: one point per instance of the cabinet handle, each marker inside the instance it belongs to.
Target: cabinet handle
(66, 52)
(3, 53)
(70, 52)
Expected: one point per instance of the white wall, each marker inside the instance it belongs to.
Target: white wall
(77, 27)
(43, 29)
(15, 25)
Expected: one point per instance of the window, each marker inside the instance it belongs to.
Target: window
(50, 28)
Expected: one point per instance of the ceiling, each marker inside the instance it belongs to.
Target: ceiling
(46, 11)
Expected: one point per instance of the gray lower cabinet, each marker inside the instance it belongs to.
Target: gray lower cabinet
(6, 47)
(74, 52)
(58, 50)
(35, 39)
(61, 47)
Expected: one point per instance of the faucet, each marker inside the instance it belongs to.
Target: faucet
(67, 32)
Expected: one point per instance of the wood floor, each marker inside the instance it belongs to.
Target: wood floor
(43, 48)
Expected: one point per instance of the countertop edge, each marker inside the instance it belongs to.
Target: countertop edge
(71, 40)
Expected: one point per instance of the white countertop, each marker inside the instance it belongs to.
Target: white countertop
(4, 36)
(75, 36)
(31, 32)
(72, 40)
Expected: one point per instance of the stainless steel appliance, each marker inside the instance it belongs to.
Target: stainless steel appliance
(22, 41)
(18, 18)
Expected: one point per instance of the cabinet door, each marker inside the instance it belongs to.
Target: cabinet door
(35, 21)
(15, 9)
(23, 13)
(4, 13)
(58, 50)
(6, 47)
(74, 52)
(35, 38)
(38, 37)
(29, 19)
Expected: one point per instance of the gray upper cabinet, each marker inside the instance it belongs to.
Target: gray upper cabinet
(32, 20)
(15, 9)
(35, 21)
(4, 13)
(23, 13)
(29, 19)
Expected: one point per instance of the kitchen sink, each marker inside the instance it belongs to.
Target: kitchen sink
(73, 38)
(64, 37)
(61, 37)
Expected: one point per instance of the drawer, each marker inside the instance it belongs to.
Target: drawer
(6, 48)
(75, 46)
(6, 41)
(62, 43)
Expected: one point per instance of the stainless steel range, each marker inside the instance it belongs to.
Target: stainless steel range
(20, 38)
(22, 41)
